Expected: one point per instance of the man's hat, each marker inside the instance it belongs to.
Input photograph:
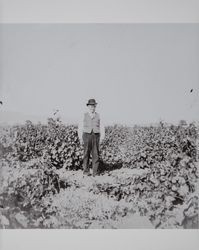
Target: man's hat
(91, 102)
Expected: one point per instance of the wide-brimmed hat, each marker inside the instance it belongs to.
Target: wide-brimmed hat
(91, 102)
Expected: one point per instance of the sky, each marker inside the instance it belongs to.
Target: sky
(138, 73)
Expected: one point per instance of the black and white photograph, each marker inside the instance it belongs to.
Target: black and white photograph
(99, 126)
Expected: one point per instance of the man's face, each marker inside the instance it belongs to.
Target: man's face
(91, 108)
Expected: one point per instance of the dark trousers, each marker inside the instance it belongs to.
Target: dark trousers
(91, 145)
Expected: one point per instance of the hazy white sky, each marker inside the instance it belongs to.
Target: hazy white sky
(138, 73)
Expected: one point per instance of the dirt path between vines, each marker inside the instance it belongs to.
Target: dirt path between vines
(95, 190)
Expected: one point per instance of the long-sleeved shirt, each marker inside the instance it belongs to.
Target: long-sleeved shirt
(80, 127)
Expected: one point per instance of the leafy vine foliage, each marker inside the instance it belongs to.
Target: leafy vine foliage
(149, 169)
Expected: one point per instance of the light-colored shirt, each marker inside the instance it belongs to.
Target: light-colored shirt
(80, 126)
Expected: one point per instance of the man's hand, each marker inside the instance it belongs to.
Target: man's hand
(101, 139)
(81, 141)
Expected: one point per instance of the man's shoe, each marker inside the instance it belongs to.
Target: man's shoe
(94, 174)
(87, 173)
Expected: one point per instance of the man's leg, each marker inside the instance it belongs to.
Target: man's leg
(95, 153)
(87, 151)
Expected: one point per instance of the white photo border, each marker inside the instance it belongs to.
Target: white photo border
(99, 11)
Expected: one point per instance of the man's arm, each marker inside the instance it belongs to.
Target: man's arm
(80, 129)
(102, 130)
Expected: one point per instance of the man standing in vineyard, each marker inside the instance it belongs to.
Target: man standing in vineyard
(91, 132)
